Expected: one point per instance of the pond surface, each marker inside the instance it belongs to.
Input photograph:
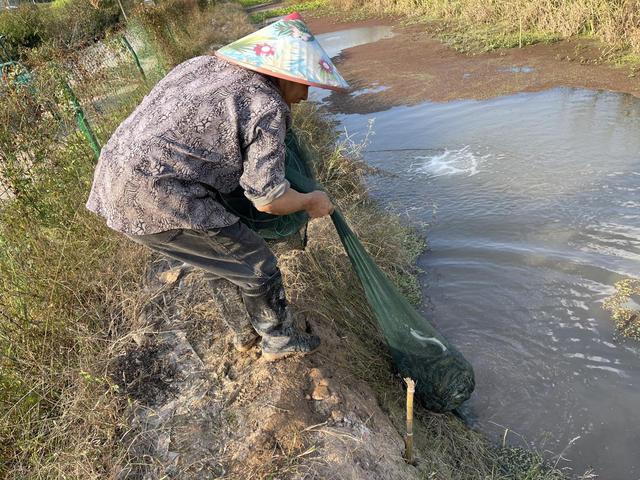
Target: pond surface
(531, 205)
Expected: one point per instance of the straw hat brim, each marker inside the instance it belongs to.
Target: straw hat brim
(266, 71)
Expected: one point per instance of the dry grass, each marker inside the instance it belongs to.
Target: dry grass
(181, 29)
(617, 23)
(69, 287)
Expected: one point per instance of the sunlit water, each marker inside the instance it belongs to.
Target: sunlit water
(531, 207)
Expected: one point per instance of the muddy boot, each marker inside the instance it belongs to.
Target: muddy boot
(297, 343)
(271, 317)
(231, 308)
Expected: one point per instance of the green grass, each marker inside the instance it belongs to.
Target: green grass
(260, 17)
(624, 315)
(252, 3)
(477, 39)
(478, 26)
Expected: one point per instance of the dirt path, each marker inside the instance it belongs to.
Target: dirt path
(417, 67)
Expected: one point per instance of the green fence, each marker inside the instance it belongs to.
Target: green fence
(61, 98)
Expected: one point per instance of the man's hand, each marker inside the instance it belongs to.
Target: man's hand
(316, 204)
(319, 204)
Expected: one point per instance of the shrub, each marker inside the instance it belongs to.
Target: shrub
(72, 23)
(64, 24)
(21, 28)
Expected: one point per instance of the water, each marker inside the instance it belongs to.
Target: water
(515, 69)
(532, 205)
(335, 42)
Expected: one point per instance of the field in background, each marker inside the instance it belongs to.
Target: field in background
(479, 25)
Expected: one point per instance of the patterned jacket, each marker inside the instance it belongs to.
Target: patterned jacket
(207, 126)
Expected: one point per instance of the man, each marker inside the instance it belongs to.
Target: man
(211, 125)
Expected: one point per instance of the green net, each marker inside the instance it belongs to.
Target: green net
(444, 378)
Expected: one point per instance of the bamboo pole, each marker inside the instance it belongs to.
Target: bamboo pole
(124, 14)
(408, 439)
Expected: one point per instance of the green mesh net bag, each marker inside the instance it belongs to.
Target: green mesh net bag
(444, 379)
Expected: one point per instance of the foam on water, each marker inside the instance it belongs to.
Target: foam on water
(367, 91)
(463, 161)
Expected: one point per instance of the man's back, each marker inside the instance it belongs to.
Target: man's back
(184, 140)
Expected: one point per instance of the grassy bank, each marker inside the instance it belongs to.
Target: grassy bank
(286, 8)
(67, 283)
(476, 25)
(323, 281)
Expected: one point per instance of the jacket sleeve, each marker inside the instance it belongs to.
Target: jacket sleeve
(263, 178)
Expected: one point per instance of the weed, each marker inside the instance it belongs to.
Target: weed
(260, 17)
(624, 309)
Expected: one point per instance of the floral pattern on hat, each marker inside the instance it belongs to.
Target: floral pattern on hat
(326, 66)
(295, 28)
(286, 49)
(264, 49)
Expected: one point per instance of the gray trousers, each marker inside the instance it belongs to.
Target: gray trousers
(234, 253)
(237, 254)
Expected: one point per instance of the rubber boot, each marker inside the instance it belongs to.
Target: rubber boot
(231, 308)
(271, 317)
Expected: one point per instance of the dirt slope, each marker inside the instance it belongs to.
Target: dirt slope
(202, 410)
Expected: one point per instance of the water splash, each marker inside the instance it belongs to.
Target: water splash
(371, 90)
(463, 161)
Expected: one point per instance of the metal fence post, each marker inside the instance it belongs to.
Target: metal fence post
(81, 120)
(128, 46)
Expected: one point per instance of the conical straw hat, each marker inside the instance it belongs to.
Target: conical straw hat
(288, 50)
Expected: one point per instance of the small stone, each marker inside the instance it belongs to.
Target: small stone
(321, 392)
(315, 373)
(138, 338)
(336, 415)
(171, 276)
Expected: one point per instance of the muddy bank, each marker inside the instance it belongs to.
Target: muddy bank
(416, 66)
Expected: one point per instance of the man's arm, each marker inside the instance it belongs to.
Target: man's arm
(263, 179)
(316, 204)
